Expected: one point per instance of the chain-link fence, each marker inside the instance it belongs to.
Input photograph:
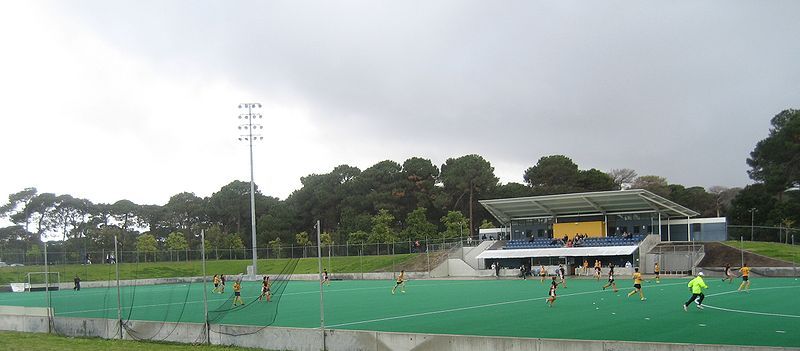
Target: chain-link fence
(16, 264)
(36, 257)
(764, 233)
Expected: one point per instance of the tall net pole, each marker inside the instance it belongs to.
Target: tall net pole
(205, 287)
(46, 284)
(741, 249)
(119, 299)
(321, 294)
(250, 137)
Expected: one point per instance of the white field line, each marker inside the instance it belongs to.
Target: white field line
(469, 308)
(753, 312)
(243, 296)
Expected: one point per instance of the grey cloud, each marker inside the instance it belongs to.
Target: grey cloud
(682, 90)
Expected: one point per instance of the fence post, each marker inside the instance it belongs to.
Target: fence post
(428, 254)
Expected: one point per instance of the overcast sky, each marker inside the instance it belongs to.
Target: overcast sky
(137, 100)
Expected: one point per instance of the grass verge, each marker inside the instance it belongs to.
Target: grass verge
(14, 341)
(146, 270)
(785, 252)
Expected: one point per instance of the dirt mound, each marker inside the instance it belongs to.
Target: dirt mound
(719, 254)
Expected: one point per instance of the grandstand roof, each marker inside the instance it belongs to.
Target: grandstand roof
(584, 204)
(560, 252)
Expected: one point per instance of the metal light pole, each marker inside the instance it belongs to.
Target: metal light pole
(752, 218)
(250, 137)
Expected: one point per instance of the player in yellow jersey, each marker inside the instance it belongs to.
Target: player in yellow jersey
(237, 293)
(401, 282)
(637, 284)
(216, 284)
(657, 271)
(542, 273)
(745, 278)
(597, 268)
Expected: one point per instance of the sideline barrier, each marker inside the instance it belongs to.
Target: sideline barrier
(20, 287)
(26, 319)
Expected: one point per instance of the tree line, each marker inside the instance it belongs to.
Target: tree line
(386, 202)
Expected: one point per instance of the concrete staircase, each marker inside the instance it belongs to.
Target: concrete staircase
(462, 262)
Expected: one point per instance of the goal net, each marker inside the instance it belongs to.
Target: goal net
(42, 281)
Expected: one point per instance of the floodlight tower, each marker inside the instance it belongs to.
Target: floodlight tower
(249, 127)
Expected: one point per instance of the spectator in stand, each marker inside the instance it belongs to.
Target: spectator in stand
(626, 235)
(569, 243)
(578, 240)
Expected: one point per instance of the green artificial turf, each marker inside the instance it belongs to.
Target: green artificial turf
(766, 316)
(785, 252)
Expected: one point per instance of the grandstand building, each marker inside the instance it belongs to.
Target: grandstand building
(633, 226)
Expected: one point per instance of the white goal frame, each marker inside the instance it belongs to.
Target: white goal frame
(50, 282)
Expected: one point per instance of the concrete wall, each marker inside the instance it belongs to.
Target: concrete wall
(304, 339)
(24, 319)
(647, 261)
(459, 268)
